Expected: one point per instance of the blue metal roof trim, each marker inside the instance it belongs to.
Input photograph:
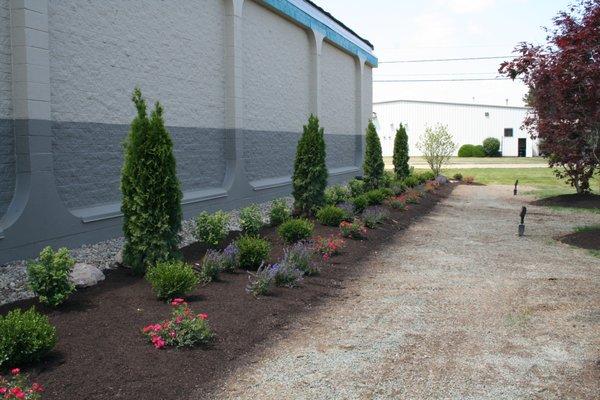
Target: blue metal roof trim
(309, 21)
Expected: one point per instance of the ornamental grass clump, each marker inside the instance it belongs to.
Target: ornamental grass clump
(212, 264)
(252, 251)
(331, 215)
(184, 329)
(310, 171)
(212, 229)
(18, 387)
(171, 279)
(152, 196)
(300, 255)
(374, 216)
(48, 276)
(295, 230)
(25, 337)
(353, 230)
(259, 282)
(251, 219)
(279, 213)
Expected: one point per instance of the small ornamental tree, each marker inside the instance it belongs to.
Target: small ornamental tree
(400, 158)
(310, 172)
(373, 164)
(437, 147)
(564, 94)
(151, 195)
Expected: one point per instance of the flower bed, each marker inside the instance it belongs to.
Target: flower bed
(100, 350)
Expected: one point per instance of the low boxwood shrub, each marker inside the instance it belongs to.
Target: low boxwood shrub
(171, 279)
(48, 276)
(425, 176)
(280, 212)
(360, 203)
(331, 215)
(357, 187)
(336, 194)
(457, 177)
(251, 219)
(252, 251)
(295, 230)
(374, 216)
(411, 181)
(212, 229)
(184, 329)
(491, 147)
(25, 337)
(470, 150)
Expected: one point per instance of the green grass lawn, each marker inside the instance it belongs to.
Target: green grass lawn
(418, 161)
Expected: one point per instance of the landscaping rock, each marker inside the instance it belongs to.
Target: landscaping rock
(441, 179)
(119, 258)
(85, 275)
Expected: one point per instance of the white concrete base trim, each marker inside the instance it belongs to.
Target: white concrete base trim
(270, 183)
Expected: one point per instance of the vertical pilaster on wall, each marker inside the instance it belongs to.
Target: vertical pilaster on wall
(36, 211)
(316, 38)
(234, 104)
(360, 122)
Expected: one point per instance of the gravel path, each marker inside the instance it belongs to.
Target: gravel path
(458, 307)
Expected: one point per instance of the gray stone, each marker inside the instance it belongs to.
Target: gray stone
(441, 179)
(85, 275)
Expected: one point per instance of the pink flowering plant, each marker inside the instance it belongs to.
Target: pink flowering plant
(329, 246)
(17, 387)
(184, 329)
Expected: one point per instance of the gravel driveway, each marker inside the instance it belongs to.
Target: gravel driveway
(458, 307)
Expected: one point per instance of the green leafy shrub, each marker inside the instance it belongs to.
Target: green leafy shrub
(397, 188)
(357, 187)
(48, 276)
(212, 229)
(377, 196)
(251, 219)
(353, 230)
(400, 157)
(373, 164)
(151, 203)
(336, 194)
(360, 203)
(470, 150)
(457, 177)
(387, 179)
(280, 212)
(491, 147)
(331, 215)
(374, 216)
(25, 337)
(171, 279)
(425, 176)
(411, 181)
(212, 264)
(397, 204)
(252, 251)
(310, 172)
(295, 230)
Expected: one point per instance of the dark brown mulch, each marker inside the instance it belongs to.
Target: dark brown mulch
(101, 353)
(570, 200)
(586, 240)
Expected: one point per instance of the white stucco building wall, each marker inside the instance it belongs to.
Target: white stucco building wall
(467, 123)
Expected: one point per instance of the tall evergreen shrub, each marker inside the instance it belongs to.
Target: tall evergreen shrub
(400, 158)
(151, 193)
(310, 172)
(373, 164)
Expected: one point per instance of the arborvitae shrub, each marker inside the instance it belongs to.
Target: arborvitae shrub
(400, 158)
(310, 172)
(373, 164)
(151, 193)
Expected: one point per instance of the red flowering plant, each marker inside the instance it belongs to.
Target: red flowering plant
(184, 329)
(353, 230)
(411, 196)
(16, 387)
(328, 247)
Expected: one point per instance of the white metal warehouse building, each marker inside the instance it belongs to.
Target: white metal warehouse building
(468, 123)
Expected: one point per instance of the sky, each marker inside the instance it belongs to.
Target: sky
(434, 29)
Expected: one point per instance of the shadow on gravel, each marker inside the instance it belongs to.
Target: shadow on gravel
(570, 200)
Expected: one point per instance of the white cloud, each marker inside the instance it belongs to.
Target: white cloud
(434, 28)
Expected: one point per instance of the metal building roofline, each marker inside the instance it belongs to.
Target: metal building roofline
(449, 104)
